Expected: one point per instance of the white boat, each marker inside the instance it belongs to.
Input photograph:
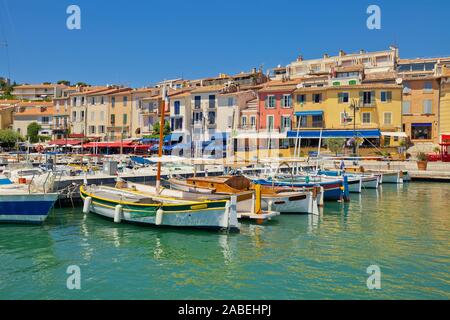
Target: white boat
(20, 203)
(137, 207)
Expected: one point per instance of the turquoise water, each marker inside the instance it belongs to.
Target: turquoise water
(404, 230)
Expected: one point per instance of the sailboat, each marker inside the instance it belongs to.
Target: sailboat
(154, 208)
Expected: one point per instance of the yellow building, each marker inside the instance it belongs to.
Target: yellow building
(326, 111)
(444, 108)
(119, 104)
(6, 113)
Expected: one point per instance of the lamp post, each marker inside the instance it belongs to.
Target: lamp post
(355, 105)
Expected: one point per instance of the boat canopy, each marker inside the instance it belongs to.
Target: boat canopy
(316, 134)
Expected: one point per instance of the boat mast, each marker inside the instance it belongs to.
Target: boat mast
(161, 136)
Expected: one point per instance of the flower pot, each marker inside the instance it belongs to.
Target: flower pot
(422, 165)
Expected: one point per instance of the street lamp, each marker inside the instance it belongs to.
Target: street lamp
(355, 106)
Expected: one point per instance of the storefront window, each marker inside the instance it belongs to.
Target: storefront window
(421, 131)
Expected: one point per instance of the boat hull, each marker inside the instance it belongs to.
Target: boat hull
(26, 208)
(214, 215)
(304, 203)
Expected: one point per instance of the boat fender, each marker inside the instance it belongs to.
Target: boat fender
(87, 204)
(118, 214)
(159, 216)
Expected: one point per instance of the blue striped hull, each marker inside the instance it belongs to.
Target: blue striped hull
(26, 208)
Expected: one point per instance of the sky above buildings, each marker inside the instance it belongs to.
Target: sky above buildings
(140, 42)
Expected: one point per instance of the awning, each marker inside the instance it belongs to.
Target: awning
(167, 138)
(108, 144)
(421, 124)
(214, 146)
(149, 140)
(445, 137)
(176, 136)
(309, 113)
(63, 142)
(315, 134)
(261, 135)
(394, 134)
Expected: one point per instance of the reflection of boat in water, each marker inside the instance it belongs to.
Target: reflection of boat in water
(137, 207)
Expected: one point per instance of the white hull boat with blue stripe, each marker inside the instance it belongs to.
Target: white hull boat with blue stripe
(17, 205)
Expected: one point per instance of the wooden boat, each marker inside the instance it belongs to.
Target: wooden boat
(136, 207)
(283, 200)
(332, 189)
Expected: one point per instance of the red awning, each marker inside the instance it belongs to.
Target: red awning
(125, 144)
(63, 142)
(445, 137)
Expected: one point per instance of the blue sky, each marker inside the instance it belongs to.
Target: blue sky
(140, 42)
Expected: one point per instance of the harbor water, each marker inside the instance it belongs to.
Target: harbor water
(404, 230)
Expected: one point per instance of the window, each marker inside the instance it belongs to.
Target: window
(270, 122)
(301, 98)
(92, 115)
(176, 107)
(45, 120)
(343, 97)
(368, 97)
(428, 86)
(92, 129)
(230, 101)
(113, 101)
(421, 131)
(386, 96)
(74, 103)
(74, 116)
(285, 123)
(253, 121)
(82, 101)
(428, 106)
(212, 101)
(102, 100)
(93, 102)
(406, 107)
(270, 102)
(387, 118)
(125, 101)
(102, 115)
(211, 117)
(366, 117)
(343, 118)
(101, 129)
(197, 102)
(317, 121)
(317, 97)
(198, 117)
(82, 115)
(244, 121)
(286, 101)
(125, 119)
(113, 119)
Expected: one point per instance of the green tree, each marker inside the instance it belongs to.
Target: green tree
(335, 144)
(64, 82)
(166, 130)
(82, 84)
(8, 138)
(33, 132)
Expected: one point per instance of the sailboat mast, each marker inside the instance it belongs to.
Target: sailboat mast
(161, 136)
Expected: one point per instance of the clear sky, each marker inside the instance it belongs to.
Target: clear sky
(139, 42)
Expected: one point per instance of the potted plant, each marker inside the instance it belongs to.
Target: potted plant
(422, 161)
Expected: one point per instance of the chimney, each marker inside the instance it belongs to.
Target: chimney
(341, 53)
